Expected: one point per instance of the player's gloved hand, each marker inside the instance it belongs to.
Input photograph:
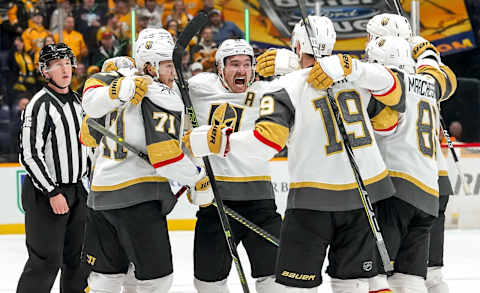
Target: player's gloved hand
(208, 140)
(329, 70)
(129, 88)
(201, 194)
(141, 86)
(422, 48)
(116, 63)
(277, 62)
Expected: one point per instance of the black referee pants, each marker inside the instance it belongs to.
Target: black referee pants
(54, 242)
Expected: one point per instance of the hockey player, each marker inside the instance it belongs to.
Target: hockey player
(127, 192)
(126, 65)
(324, 207)
(229, 98)
(409, 151)
(428, 61)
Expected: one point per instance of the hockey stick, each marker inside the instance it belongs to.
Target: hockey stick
(233, 214)
(192, 28)
(382, 249)
(466, 187)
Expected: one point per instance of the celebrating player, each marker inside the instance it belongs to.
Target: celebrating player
(127, 192)
(429, 62)
(324, 207)
(230, 100)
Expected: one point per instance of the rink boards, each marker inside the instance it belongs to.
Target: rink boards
(463, 211)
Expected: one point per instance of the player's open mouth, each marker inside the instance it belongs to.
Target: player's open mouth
(240, 81)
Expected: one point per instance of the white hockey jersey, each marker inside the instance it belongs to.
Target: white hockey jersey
(155, 127)
(321, 177)
(410, 152)
(237, 177)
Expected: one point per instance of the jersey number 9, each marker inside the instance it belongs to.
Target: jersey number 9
(350, 108)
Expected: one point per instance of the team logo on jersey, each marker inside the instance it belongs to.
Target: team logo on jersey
(349, 17)
(148, 45)
(381, 42)
(226, 114)
(367, 266)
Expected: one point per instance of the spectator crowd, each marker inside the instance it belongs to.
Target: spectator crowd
(100, 29)
(95, 30)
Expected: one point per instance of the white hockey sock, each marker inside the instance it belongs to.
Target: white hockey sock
(211, 287)
(267, 285)
(378, 284)
(435, 282)
(349, 286)
(159, 285)
(105, 283)
(403, 283)
(130, 282)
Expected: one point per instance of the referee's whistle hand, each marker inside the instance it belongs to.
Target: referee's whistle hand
(59, 204)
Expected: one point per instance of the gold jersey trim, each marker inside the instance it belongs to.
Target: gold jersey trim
(338, 187)
(163, 151)
(385, 120)
(129, 183)
(85, 136)
(443, 173)
(394, 95)
(273, 132)
(414, 181)
(451, 82)
(437, 75)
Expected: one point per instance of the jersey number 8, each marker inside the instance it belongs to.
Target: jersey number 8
(425, 128)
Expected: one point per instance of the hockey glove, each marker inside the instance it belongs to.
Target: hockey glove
(129, 89)
(421, 48)
(329, 70)
(116, 63)
(141, 86)
(201, 194)
(208, 140)
(277, 62)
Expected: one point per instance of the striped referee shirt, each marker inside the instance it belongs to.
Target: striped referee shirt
(50, 149)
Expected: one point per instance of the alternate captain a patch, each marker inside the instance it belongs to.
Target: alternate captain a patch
(226, 114)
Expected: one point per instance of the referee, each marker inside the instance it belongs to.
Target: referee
(53, 196)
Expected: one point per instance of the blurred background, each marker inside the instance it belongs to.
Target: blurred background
(100, 29)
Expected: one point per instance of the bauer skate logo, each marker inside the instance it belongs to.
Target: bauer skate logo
(349, 17)
(297, 276)
(367, 266)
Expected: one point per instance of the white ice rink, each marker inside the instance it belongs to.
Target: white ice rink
(462, 259)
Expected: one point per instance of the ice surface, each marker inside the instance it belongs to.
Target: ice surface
(462, 256)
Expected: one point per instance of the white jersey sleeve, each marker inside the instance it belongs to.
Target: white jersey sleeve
(96, 101)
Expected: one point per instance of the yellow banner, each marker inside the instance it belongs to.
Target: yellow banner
(444, 22)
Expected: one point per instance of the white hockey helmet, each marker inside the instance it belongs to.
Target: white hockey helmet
(388, 24)
(117, 63)
(390, 51)
(153, 51)
(150, 33)
(324, 33)
(233, 47)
